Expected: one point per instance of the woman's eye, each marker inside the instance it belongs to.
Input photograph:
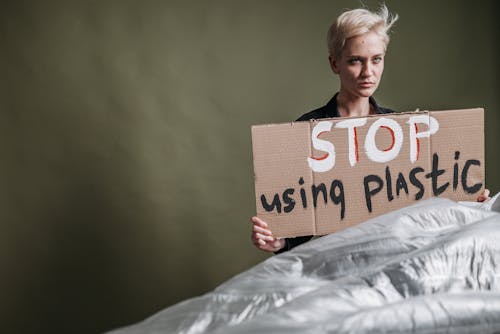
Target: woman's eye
(377, 60)
(354, 61)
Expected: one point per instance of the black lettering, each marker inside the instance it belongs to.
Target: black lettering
(436, 172)
(401, 184)
(303, 197)
(303, 194)
(371, 192)
(455, 171)
(340, 198)
(416, 182)
(388, 184)
(270, 207)
(475, 188)
(316, 190)
(288, 200)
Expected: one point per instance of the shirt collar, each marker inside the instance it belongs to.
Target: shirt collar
(332, 109)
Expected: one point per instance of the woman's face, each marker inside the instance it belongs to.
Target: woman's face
(361, 65)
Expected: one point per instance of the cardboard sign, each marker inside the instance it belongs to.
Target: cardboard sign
(321, 176)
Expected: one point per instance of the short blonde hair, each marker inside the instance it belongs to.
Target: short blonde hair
(357, 22)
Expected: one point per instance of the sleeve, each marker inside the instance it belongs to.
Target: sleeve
(294, 242)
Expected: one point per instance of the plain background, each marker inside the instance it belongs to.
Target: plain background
(126, 169)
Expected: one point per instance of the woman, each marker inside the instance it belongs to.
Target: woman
(357, 43)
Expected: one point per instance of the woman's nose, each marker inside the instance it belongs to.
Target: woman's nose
(367, 69)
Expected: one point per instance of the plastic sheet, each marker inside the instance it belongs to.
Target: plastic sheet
(433, 267)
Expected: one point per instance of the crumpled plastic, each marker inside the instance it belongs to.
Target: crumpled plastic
(433, 267)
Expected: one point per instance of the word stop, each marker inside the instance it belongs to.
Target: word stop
(326, 162)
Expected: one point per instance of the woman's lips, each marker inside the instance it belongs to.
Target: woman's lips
(367, 84)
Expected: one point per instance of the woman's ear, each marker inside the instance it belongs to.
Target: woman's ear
(333, 64)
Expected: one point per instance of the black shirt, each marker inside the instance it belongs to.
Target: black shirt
(331, 110)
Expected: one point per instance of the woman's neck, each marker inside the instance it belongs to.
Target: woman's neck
(353, 106)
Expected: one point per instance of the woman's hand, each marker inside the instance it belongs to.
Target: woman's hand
(484, 196)
(262, 237)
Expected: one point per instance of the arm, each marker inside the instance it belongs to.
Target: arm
(262, 237)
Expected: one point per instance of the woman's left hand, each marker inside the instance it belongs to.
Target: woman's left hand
(484, 196)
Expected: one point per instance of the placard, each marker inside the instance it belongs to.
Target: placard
(321, 176)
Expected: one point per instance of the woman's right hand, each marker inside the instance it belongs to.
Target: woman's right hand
(262, 237)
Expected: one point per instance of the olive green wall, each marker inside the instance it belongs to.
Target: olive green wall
(126, 170)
